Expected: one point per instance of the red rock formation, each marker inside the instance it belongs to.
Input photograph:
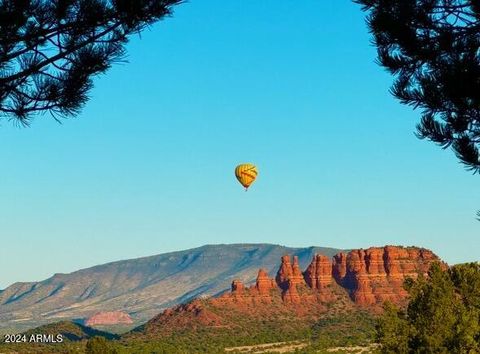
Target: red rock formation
(260, 291)
(377, 274)
(237, 287)
(407, 260)
(374, 261)
(237, 294)
(291, 295)
(370, 276)
(190, 315)
(264, 283)
(319, 273)
(339, 267)
(289, 274)
(357, 279)
(108, 318)
(297, 276)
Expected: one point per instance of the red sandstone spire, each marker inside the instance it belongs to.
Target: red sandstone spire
(319, 273)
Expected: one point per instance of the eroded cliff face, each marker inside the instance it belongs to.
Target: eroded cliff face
(377, 274)
(318, 274)
(370, 277)
(108, 318)
(264, 283)
(289, 274)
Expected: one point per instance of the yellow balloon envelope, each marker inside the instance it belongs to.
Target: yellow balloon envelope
(246, 174)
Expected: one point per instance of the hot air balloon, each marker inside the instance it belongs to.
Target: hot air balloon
(246, 174)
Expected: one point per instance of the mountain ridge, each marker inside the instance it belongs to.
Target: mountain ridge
(141, 286)
(171, 253)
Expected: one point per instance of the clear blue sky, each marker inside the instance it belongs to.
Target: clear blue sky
(147, 167)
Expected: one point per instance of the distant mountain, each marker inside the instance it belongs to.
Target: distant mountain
(142, 287)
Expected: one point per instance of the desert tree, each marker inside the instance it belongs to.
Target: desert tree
(432, 47)
(442, 316)
(51, 49)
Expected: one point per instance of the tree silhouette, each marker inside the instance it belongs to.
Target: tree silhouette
(432, 47)
(51, 49)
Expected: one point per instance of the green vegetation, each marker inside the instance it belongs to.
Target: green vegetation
(70, 331)
(99, 345)
(443, 315)
(356, 328)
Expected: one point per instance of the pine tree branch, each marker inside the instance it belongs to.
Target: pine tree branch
(64, 54)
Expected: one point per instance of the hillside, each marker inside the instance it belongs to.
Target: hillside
(70, 331)
(141, 287)
(331, 303)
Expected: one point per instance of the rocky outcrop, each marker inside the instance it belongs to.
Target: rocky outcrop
(237, 287)
(319, 273)
(339, 266)
(190, 315)
(289, 278)
(260, 291)
(369, 276)
(291, 293)
(108, 318)
(264, 283)
(377, 274)
(289, 274)
(359, 280)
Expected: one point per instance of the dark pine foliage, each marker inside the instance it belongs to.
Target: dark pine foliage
(51, 49)
(432, 47)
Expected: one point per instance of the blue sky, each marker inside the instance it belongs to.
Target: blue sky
(147, 167)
